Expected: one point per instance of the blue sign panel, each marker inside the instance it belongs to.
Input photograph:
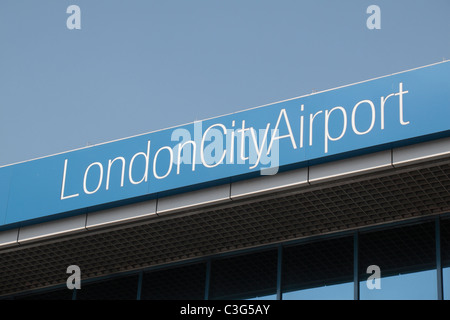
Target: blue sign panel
(362, 117)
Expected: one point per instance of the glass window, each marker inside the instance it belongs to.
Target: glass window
(406, 261)
(250, 276)
(180, 283)
(120, 288)
(60, 294)
(445, 255)
(319, 270)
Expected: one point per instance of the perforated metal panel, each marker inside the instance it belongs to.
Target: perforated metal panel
(309, 211)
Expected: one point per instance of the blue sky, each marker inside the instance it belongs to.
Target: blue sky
(137, 66)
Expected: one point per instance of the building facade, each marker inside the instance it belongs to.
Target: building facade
(369, 223)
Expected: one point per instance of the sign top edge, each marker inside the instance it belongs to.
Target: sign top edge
(223, 115)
